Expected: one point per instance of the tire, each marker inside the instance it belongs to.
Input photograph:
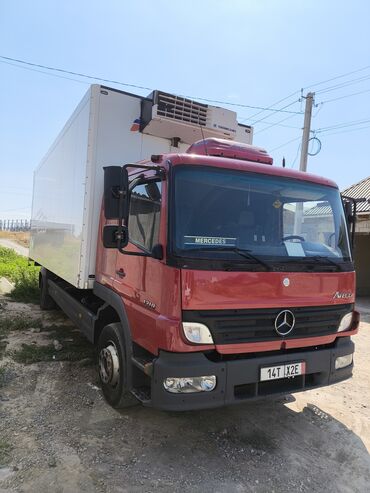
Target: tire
(46, 301)
(112, 367)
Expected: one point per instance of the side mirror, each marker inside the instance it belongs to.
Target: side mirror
(113, 238)
(116, 237)
(115, 192)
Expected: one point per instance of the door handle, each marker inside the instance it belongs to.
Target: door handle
(121, 273)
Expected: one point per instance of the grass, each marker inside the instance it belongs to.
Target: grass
(8, 324)
(24, 276)
(26, 286)
(30, 353)
(3, 344)
(18, 322)
(2, 376)
(5, 449)
(75, 347)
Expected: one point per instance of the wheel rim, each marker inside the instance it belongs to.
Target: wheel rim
(109, 365)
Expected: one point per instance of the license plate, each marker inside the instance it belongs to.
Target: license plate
(286, 370)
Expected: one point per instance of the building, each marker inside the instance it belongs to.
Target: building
(362, 238)
(318, 223)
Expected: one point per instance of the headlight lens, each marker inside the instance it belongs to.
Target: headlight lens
(346, 322)
(197, 333)
(187, 385)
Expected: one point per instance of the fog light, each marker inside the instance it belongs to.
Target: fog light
(343, 361)
(346, 322)
(186, 385)
(197, 333)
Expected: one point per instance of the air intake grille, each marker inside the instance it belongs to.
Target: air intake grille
(258, 325)
(181, 109)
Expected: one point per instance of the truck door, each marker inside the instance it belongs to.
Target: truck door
(138, 278)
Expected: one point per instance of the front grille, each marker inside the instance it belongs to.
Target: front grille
(258, 325)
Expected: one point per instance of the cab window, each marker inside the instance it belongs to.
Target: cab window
(144, 215)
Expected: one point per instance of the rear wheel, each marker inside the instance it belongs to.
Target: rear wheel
(112, 367)
(46, 301)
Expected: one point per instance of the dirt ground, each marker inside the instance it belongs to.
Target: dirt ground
(57, 434)
(18, 237)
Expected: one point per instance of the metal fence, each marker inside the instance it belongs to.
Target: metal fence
(15, 225)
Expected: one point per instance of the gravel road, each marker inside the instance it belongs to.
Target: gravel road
(62, 437)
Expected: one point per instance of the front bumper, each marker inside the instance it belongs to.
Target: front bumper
(238, 380)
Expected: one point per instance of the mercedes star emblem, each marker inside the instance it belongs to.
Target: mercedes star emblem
(284, 322)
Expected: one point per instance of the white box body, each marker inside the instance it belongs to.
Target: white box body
(68, 183)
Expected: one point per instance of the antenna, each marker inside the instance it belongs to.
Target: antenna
(204, 140)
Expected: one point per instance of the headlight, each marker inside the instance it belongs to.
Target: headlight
(346, 322)
(197, 333)
(187, 385)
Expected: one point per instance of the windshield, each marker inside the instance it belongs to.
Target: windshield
(222, 213)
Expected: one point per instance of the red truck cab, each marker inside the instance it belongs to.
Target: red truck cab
(220, 278)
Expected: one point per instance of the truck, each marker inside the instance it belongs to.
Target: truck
(204, 274)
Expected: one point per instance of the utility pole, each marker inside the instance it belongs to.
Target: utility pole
(306, 131)
(304, 155)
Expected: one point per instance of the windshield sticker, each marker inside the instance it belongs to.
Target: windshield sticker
(294, 249)
(209, 240)
(277, 204)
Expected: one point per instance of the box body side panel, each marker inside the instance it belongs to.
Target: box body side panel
(60, 181)
(68, 184)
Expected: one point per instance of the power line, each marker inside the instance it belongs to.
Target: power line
(282, 110)
(273, 124)
(271, 106)
(46, 67)
(345, 96)
(285, 143)
(338, 77)
(35, 67)
(296, 156)
(319, 108)
(343, 84)
(267, 122)
(347, 131)
(343, 125)
(136, 86)
(45, 73)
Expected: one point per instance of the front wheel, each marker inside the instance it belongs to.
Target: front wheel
(112, 367)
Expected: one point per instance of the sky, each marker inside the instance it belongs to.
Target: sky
(243, 52)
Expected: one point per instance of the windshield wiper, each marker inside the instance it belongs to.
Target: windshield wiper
(241, 252)
(328, 260)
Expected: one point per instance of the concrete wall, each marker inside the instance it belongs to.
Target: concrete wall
(363, 224)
